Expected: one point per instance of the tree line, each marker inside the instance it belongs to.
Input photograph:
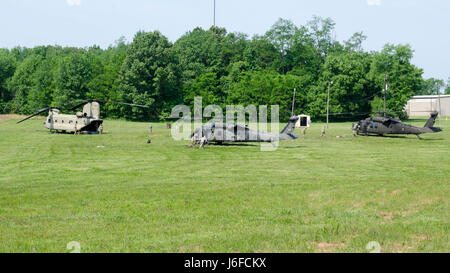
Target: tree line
(223, 68)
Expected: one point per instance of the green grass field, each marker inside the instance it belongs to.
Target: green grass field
(311, 195)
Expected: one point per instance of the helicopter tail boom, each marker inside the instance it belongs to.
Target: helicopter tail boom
(287, 132)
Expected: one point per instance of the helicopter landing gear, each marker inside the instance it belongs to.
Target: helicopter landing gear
(419, 137)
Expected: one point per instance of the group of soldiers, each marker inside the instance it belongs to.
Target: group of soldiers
(323, 132)
(202, 142)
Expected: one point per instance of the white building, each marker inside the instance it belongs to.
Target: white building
(422, 106)
(303, 121)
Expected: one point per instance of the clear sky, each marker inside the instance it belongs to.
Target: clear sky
(424, 24)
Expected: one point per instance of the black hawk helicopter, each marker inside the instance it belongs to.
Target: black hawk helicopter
(87, 122)
(393, 126)
(221, 132)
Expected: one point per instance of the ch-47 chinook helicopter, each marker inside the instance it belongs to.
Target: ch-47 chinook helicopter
(388, 125)
(220, 132)
(87, 122)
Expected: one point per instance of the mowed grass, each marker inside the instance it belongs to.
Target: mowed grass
(311, 195)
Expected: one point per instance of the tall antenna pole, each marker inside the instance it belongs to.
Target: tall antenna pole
(439, 100)
(385, 89)
(328, 101)
(293, 102)
(214, 13)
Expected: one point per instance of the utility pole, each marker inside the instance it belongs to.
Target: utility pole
(439, 101)
(293, 102)
(385, 89)
(328, 101)
(214, 13)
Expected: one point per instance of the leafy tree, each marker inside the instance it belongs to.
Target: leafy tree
(43, 86)
(403, 78)
(301, 58)
(223, 68)
(431, 86)
(201, 51)
(22, 82)
(281, 35)
(261, 54)
(321, 30)
(71, 79)
(355, 42)
(150, 75)
(350, 89)
(447, 89)
(7, 69)
(266, 88)
(206, 86)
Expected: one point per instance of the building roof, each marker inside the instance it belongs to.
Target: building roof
(431, 97)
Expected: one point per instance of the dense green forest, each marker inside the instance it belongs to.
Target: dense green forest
(224, 68)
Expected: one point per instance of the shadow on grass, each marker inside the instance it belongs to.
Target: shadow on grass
(223, 145)
(405, 137)
(291, 147)
(233, 144)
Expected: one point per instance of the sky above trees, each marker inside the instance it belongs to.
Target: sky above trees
(422, 24)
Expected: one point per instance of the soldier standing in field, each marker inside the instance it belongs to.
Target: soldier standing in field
(193, 140)
(353, 129)
(304, 132)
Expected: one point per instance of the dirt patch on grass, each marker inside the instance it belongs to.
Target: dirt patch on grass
(408, 212)
(428, 202)
(402, 248)
(324, 247)
(17, 117)
(186, 249)
(8, 117)
(420, 237)
(386, 215)
(357, 205)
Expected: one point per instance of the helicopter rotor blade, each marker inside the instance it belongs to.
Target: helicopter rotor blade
(78, 106)
(123, 103)
(362, 113)
(35, 114)
(82, 102)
